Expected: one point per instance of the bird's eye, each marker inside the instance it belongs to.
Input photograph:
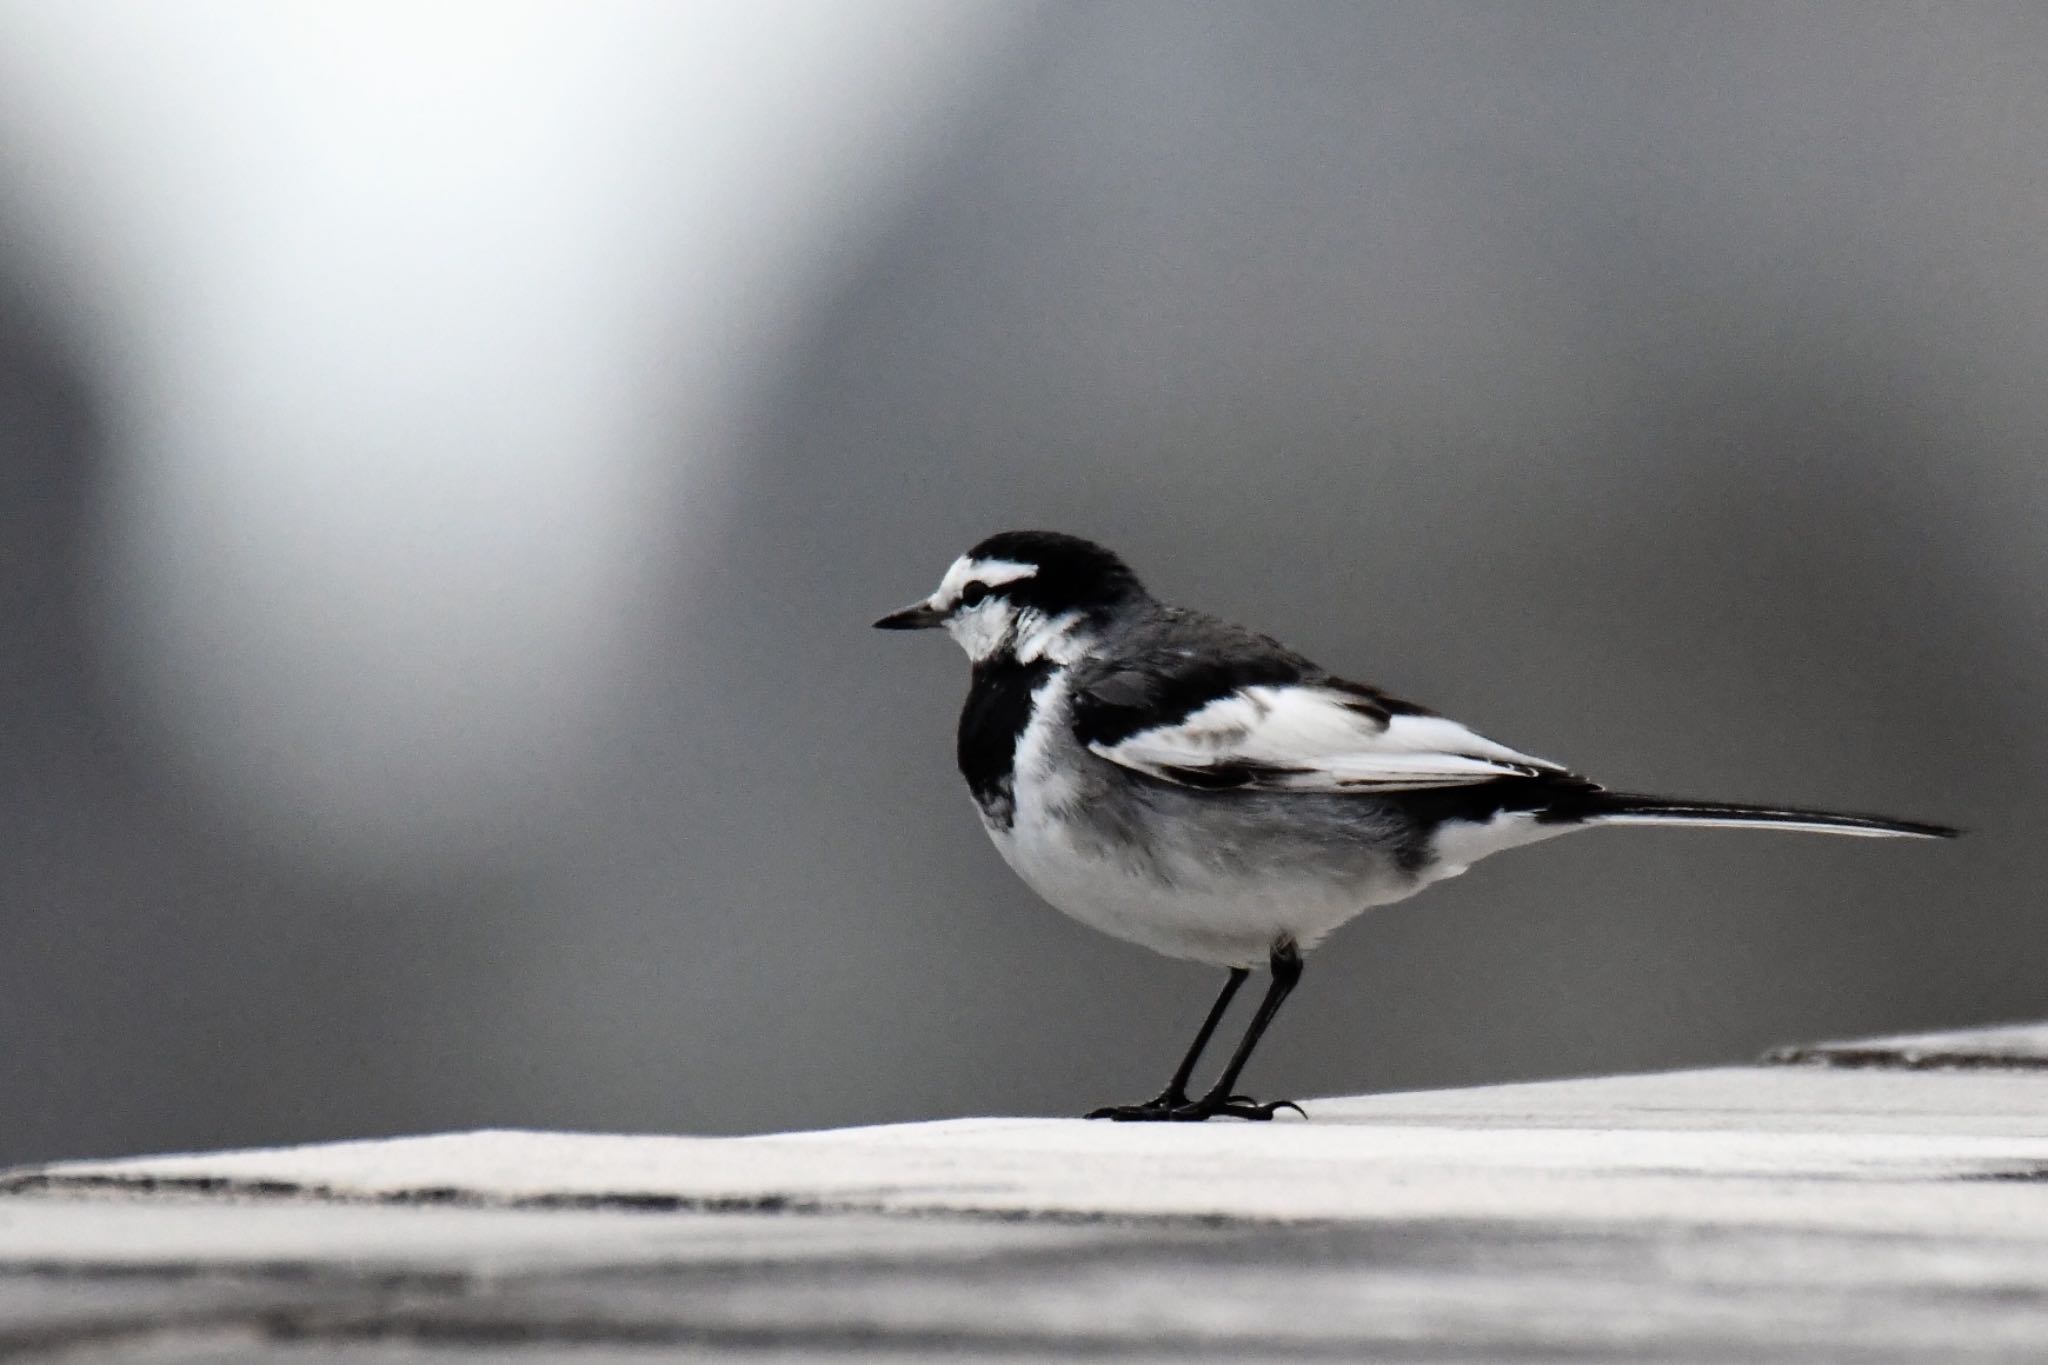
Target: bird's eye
(974, 594)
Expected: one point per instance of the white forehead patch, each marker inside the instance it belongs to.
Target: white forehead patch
(994, 572)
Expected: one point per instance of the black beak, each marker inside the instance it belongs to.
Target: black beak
(916, 616)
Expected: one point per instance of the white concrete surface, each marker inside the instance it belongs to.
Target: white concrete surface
(1872, 1208)
(1753, 1145)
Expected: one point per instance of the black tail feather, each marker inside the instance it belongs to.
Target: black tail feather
(1607, 807)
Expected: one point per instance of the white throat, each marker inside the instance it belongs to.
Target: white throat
(1060, 639)
(996, 627)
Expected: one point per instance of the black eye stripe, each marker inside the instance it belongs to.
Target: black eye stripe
(973, 594)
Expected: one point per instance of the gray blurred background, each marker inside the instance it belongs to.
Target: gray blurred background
(452, 455)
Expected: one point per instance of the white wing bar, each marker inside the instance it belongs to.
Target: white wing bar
(1308, 738)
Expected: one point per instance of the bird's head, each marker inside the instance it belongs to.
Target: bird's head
(1029, 593)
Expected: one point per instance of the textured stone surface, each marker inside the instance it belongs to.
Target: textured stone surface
(1876, 1212)
(2016, 1047)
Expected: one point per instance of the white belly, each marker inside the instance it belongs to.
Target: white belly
(1206, 876)
(1195, 914)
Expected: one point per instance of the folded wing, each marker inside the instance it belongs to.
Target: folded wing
(1310, 735)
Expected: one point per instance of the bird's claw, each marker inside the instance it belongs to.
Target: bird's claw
(1245, 1107)
(1195, 1111)
(1155, 1110)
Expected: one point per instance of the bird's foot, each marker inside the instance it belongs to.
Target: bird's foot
(1166, 1109)
(1233, 1107)
(1158, 1109)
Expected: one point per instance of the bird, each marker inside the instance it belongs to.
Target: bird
(1202, 790)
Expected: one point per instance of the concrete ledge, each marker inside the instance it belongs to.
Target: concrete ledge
(1749, 1144)
(2016, 1047)
(1879, 1210)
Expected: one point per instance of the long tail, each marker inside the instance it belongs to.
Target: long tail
(1622, 808)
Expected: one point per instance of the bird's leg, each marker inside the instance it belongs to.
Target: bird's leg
(1286, 963)
(1176, 1093)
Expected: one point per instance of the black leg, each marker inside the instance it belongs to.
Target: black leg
(1286, 963)
(1176, 1093)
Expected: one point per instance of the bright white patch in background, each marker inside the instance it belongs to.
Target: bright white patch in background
(409, 311)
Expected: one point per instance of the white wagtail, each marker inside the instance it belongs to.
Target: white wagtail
(1191, 786)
